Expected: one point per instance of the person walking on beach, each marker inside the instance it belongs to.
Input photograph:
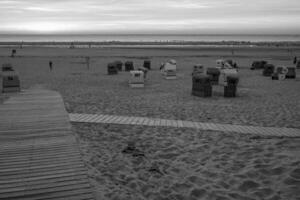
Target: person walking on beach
(50, 65)
(295, 60)
(13, 52)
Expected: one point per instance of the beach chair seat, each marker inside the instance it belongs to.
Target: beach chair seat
(9, 79)
(168, 69)
(231, 88)
(214, 74)
(258, 64)
(129, 66)
(147, 64)
(202, 86)
(224, 73)
(119, 65)
(268, 70)
(298, 65)
(137, 79)
(112, 69)
(291, 74)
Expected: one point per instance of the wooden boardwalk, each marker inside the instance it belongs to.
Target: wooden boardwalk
(114, 119)
(39, 155)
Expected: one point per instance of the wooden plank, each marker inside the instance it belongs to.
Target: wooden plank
(43, 181)
(67, 195)
(43, 192)
(40, 178)
(39, 155)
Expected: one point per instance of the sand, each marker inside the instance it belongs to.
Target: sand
(260, 101)
(170, 163)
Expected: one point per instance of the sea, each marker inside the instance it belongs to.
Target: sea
(146, 38)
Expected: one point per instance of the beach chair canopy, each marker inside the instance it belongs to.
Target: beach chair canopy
(169, 66)
(172, 61)
(220, 63)
(136, 76)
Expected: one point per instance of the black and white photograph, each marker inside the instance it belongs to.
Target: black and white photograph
(149, 100)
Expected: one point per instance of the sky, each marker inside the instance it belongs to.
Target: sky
(150, 16)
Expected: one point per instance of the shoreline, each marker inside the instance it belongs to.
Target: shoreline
(144, 44)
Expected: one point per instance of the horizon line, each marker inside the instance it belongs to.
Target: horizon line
(192, 34)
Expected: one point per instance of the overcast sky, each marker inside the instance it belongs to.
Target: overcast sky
(151, 16)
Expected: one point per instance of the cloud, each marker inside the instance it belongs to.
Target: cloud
(146, 15)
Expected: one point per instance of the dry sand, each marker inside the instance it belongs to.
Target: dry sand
(260, 100)
(171, 163)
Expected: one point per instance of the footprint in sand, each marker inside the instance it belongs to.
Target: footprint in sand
(198, 193)
(248, 185)
(292, 181)
(295, 173)
(263, 193)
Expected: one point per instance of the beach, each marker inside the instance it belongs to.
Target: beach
(175, 163)
(172, 163)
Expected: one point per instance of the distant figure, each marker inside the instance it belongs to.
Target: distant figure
(72, 46)
(232, 52)
(50, 65)
(13, 52)
(295, 60)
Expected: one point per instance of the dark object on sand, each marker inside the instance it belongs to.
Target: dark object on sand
(119, 65)
(258, 64)
(129, 66)
(295, 60)
(202, 86)
(291, 74)
(50, 65)
(214, 74)
(131, 149)
(275, 76)
(231, 87)
(9, 79)
(268, 70)
(112, 69)
(147, 64)
(298, 65)
(13, 52)
(155, 169)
